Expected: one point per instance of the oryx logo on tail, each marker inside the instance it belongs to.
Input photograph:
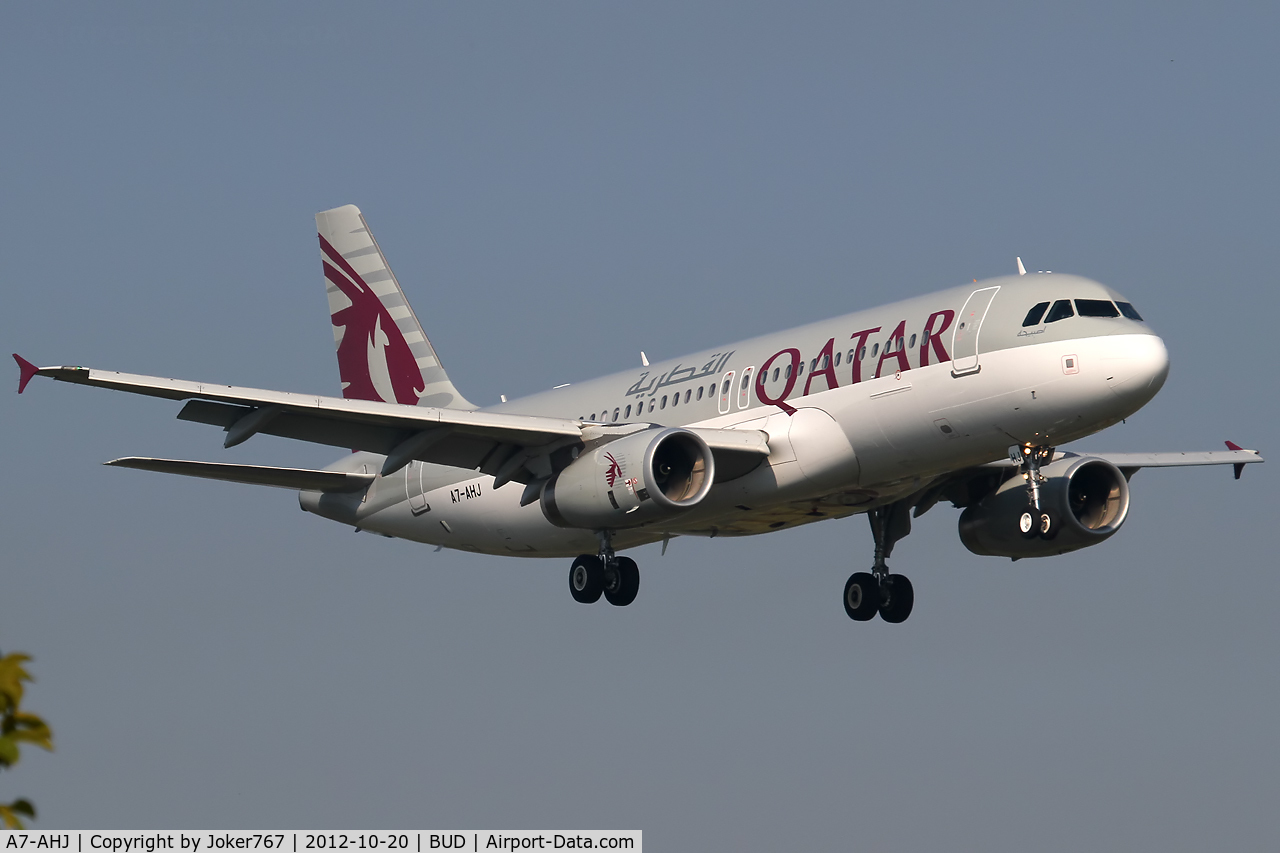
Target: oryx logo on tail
(374, 359)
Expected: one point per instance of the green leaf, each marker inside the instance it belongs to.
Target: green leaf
(8, 751)
(9, 814)
(12, 674)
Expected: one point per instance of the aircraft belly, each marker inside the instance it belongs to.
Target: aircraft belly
(470, 515)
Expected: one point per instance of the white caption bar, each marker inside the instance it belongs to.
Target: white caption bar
(294, 841)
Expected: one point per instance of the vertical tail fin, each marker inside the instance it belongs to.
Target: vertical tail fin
(383, 354)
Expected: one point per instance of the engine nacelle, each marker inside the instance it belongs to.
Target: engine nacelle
(1089, 497)
(646, 476)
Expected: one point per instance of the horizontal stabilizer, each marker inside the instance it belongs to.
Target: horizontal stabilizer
(257, 475)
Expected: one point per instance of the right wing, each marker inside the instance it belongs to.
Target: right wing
(1130, 463)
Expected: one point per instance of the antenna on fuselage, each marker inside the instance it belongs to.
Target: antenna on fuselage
(1021, 269)
(644, 359)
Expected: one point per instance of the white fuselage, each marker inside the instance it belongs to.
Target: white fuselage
(880, 433)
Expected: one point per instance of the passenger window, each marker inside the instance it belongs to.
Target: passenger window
(628, 415)
(593, 416)
(746, 377)
(1034, 315)
(775, 374)
(1061, 310)
(788, 371)
(862, 353)
(675, 400)
(615, 414)
(912, 344)
(813, 365)
(711, 390)
(1096, 308)
(800, 372)
(849, 357)
(1127, 309)
(838, 358)
(901, 344)
(651, 403)
(725, 390)
(699, 392)
(874, 349)
(663, 404)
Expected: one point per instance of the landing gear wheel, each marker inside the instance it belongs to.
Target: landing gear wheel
(621, 582)
(586, 579)
(1029, 523)
(897, 598)
(1049, 525)
(861, 596)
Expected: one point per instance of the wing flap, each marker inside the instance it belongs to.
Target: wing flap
(257, 475)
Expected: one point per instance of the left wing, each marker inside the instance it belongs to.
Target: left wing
(506, 446)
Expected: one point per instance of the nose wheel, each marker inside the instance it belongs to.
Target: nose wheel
(1037, 520)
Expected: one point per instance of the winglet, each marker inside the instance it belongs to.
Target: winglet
(1021, 269)
(1239, 466)
(27, 369)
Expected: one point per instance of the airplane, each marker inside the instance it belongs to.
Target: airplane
(963, 395)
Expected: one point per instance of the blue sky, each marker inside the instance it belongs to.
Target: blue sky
(559, 186)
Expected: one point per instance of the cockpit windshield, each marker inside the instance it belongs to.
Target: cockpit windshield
(1127, 309)
(1096, 308)
(1062, 309)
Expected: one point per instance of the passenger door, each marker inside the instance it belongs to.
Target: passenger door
(964, 343)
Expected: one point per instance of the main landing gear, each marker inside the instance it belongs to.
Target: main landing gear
(1036, 519)
(877, 591)
(617, 578)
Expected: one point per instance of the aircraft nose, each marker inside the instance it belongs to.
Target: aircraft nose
(1138, 367)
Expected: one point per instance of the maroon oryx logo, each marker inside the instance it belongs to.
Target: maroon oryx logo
(614, 471)
(374, 360)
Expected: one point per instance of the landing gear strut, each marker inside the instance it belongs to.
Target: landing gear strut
(1036, 519)
(878, 591)
(618, 578)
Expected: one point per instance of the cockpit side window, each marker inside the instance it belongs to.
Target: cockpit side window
(1034, 315)
(1061, 310)
(1096, 308)
(1127, 309)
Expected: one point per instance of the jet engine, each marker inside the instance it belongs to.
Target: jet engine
(642, 477)
(1088, 499)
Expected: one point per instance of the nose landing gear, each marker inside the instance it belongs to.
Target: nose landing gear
(1036, 519)
(878, 591)
(618, 578)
